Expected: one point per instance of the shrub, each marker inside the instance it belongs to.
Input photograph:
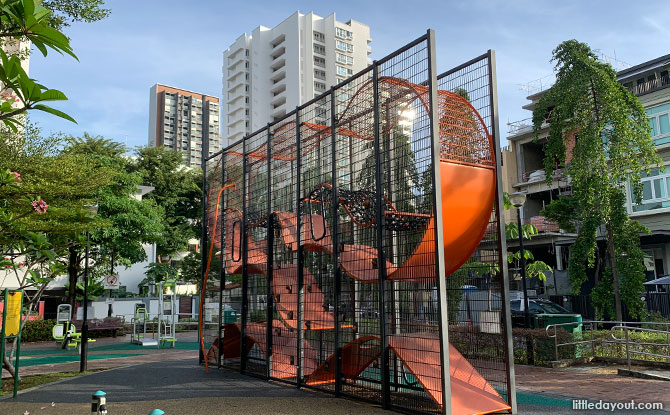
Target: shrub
(38, 330)
(543, 346)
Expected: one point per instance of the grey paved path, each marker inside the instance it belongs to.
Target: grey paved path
(179, 387)
(183, 387)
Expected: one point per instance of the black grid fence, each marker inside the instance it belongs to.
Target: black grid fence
(324, 226)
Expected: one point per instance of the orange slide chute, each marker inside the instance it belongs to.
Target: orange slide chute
(470, 392)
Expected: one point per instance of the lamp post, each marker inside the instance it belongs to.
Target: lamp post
(84, 326)
(518, 199)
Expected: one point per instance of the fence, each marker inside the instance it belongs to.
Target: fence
(326, 232)
(649, 341)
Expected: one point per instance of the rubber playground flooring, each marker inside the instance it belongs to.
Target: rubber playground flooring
(92, 348)
(53, 355)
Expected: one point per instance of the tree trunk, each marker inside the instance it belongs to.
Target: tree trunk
(73, 274)
(615, 274)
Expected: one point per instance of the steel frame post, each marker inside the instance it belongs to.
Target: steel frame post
(203, 239)
(222, 271)
(439, 232)
(270, 260)
(300, 259)
(83, 346)
(2, 332)
(335, 205)
(502, 243)
(245, 258)
(381, 262)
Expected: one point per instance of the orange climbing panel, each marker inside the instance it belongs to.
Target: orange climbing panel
(284, 347)
(285, 287)
(470, 392)
(257, 259)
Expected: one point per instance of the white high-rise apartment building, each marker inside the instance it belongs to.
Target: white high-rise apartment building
(270, 72)
(179, 119)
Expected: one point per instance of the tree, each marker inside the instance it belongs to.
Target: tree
(599, 133)
(65, 12)
(24, 20)
(177, 191)
(130, 222)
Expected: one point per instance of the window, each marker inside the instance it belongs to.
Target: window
(319, 62)
(319, 86)
(345, 59)
(343, 46)
(344, 34)
(342, 71)
(659, 121)
(319, 74)
(319, 49)
(318, 36)
(655, 191)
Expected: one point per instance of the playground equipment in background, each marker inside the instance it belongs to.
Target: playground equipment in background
(167, 313)
(64, 331)
(139, 321)
(291, 338)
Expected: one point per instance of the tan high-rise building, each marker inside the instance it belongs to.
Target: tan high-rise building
(181, 119)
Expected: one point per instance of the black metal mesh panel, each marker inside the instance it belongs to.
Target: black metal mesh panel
(212, 289)
(356, 184)
(256, 216)
(230, 212)
(407, 172)
(283, 164)
(317, 241)
(476, 320)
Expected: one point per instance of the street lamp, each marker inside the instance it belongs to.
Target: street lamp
(93, 209)
(518, 199)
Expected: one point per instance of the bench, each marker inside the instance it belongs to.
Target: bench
(112, 324)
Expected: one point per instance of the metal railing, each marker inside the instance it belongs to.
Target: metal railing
(616, 337)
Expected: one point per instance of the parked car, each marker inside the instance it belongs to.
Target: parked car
(543, 313)
(369, 313)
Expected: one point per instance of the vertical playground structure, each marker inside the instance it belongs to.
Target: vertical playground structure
(354, 245)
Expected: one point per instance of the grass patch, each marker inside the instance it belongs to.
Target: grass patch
(36, 380)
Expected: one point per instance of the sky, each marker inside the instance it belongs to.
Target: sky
(181, 43)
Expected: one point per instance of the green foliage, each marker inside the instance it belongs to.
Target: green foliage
(609, 128)
(177, 192)
(22, 20)
(65, 12)
(159, 271)
(190, 271)
(563, 211)
(132, 222)
(534, 269)
(38, 331)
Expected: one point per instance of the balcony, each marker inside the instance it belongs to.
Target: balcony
(650, 86)
(520, 127)
(542, 224)
(277, 41)
(278, 52)
(278, 76)
(277, 65)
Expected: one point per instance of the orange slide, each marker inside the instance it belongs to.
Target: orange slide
(419, 352)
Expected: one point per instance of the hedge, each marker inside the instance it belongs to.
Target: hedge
(38, 331)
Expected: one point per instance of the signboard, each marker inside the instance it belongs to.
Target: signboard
(111, 282)
(13, 313)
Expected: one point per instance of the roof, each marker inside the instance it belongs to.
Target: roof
(644, 67)
(659, 281)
